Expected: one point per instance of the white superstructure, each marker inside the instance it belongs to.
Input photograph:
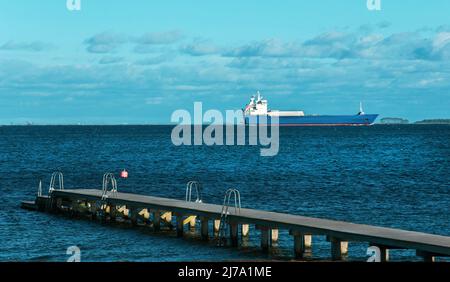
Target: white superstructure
(259, 106)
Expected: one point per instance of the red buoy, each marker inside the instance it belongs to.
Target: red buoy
(124, 174)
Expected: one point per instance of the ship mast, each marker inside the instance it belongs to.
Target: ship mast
(361, 111)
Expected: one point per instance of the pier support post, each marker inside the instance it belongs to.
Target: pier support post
(147, 216)
(86, 207)
(245, 230)
(384, 254)
(58, 203)
(104, 210)
(134, 216)
(180, 225)
(156, 220)
(112, 213)
(216, 225)
(299, 244)
(53, 204)
(426, 256)
(74, 208)
(234, 234)
(264, 237)
(204, 221)
(274, 235)
(92, 210)
(339, 248)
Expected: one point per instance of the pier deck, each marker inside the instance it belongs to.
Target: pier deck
(426, 245)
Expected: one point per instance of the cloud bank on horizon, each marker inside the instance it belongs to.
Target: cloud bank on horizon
(106, 71)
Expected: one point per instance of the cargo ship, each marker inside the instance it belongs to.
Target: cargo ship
(257, 112)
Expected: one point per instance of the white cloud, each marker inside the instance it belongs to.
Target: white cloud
(35, 46)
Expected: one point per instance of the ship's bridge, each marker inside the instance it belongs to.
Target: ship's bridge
(259, 106)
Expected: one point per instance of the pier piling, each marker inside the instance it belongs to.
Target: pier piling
(299, 244)
(234, 234)
(426, 256)
(156, 220)
(339, 248)
(180, 224)
(112, 213)
(204, 227)
(134, 216)
(264, 237)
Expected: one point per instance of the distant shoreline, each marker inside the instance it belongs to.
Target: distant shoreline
(402, 121)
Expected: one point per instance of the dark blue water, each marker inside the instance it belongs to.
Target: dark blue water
(394, 176)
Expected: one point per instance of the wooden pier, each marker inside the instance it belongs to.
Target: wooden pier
(158, 211)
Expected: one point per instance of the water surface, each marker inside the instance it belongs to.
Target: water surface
(394, 176)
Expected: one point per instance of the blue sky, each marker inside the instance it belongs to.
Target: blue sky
(138, 61)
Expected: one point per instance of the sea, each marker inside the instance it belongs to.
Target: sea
(386, 175)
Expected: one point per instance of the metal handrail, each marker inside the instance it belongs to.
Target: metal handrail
(225, 212)
(53, 181)
(108, 178)
(198, 190)
(39, 193)
(51, 187)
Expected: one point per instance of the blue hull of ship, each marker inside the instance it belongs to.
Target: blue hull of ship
(344, 120)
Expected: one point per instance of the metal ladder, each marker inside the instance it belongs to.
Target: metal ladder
(51, 187)
(107, 179)
(53, 181)
(225, 212)
(39, 192)
(198, 190)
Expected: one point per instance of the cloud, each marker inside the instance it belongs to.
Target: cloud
(110, 60)
(441, 40)
(338, 65)
(329, 38)
(200, 47)
(149, 49)
(384, 24)
(105, 42)
(415, 46)
(363, 43)
(265, 48)
(109, 42)
(334, 44)
(35, 46)
(155, 60)
(160, 38)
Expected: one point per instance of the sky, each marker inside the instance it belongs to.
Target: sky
(116, 62)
